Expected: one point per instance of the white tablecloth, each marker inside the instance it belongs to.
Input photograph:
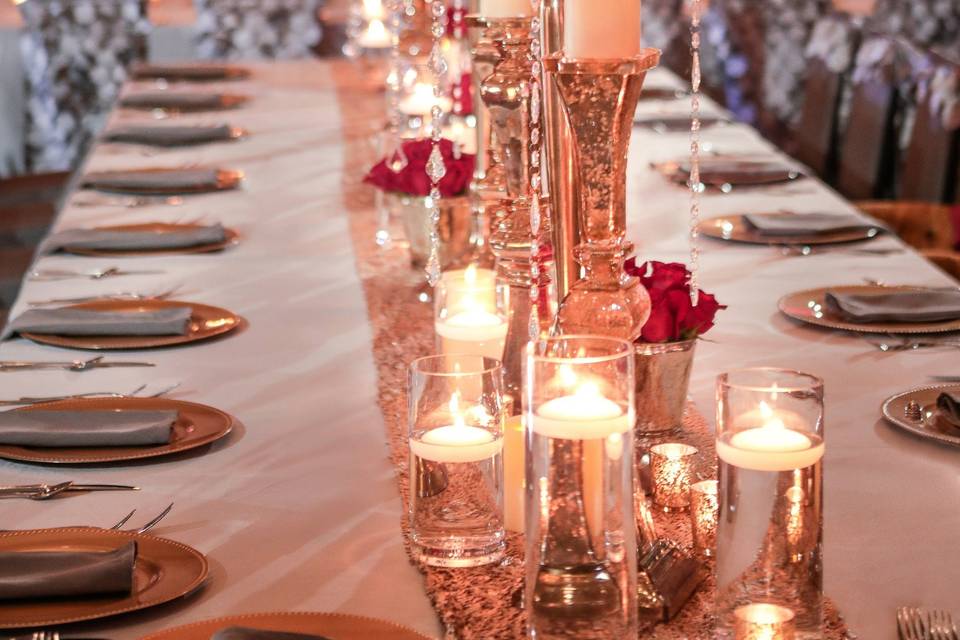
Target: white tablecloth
(299, 510)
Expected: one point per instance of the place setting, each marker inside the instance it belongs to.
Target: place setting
(105, 324)
(191, 72)
(723, 174)
(141, 240)
(173, 136)
(791, 228)
(163, 181)
(62, 575)
(177, 102)
(930, 412)
(877, 309)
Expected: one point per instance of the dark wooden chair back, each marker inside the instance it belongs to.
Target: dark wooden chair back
(830, 54)
(868, 146)
(928, 170)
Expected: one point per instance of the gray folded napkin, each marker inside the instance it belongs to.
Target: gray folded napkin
(133, 240)
(167, 136)
(949, 407)
(57, 574)
(249, 633)
(196, 72)
(48, 428)
(921, 305)
(176, 100)
(717, 171)
(86, 322)
(160, 182)
(795, 224)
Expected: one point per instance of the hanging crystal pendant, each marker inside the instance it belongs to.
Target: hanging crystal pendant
(694, 183)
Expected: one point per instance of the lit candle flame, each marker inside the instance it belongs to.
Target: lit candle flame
(470, 275)
(455, 410)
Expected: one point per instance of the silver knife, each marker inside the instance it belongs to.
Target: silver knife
(17, 366)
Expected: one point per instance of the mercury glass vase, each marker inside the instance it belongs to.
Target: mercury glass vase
(663, 378)
(599, 98)
(455, 227)
(581, 557)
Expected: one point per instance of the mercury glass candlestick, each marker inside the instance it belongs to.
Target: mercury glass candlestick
(456, 444)
(599, 97)
(581, 558)
(769, 536)
(488, 179)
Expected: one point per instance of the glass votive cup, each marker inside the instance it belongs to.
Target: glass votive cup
(703, 516)
(470, 313)
(456, 460)
(671, 467)
(764, 621)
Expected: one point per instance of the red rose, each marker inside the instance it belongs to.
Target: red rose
(413, 179)
(672, 315)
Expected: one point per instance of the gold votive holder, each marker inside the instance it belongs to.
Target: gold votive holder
(671, 467)
(763, 621)
(703, 516)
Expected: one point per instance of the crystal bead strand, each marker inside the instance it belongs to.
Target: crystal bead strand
(536, 77)
(397, 160)
(435, 166)
(696, 187)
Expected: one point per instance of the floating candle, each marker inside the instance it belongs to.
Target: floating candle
(421, 101)
(375, 36)
(458, 442)
(771, 447)
(586, 414)
(505, 8)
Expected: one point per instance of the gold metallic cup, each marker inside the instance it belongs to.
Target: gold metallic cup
(762, 621)
(671, 466)
(703, 516)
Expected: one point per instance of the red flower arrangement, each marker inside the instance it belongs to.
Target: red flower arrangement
(413, 179)
(672, 314)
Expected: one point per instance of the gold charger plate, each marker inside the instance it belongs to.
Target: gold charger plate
(932, 424)
(205, 322)
(227, 179)
(336, 626)
(196, 425)
(808, 306)
(164, 570)
(231, 238)
(735, 229)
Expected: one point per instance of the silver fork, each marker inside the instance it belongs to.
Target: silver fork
(941, 625)
(146, 527)
(39, 275)
(91, 394)
(123, 295)
(911, 625)
(131, 202)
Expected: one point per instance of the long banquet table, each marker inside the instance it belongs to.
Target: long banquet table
(298, 509)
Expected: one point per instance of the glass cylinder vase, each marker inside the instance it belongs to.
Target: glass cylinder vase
(581, 560)
(769, 536)
(456, 467)
(471, 314)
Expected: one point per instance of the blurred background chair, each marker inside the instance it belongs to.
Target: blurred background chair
(257, 29)
(75, 56)
(829, 57)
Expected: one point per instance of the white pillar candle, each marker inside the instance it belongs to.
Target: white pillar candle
(505, 8)
(473, 282)
(514, 473)
(375, 36)
(770, 445)
(372, 10)
(601, 28)
(421, 100)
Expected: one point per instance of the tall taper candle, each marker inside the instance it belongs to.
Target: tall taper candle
(601, 28)
(505, 8)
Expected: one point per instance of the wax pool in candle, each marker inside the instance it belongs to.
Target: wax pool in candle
(586, 414)
(375, 36)
(505, 8)
(421, 100)
(770, 447)
(473, 332)
(514, 473)
(601, 28)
